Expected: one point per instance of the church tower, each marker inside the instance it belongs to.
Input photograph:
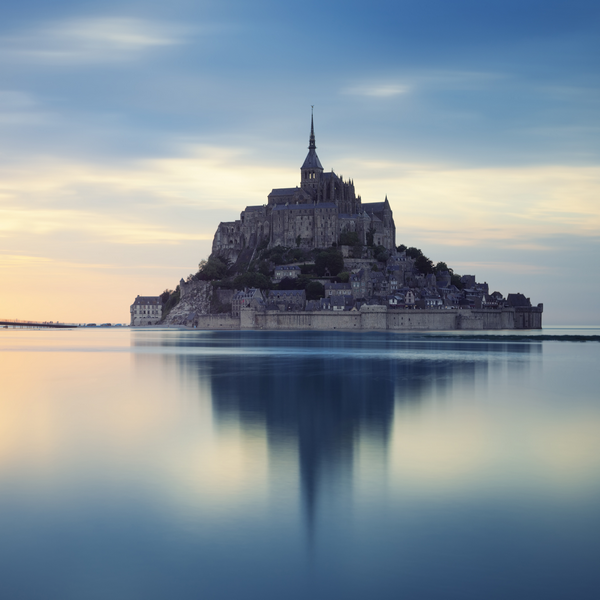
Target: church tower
(311, 170)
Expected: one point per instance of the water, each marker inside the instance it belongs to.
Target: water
(184, 464)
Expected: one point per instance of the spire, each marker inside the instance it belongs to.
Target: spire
(312, 160)
(311, 144)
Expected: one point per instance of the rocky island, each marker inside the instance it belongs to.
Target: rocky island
(315, 256)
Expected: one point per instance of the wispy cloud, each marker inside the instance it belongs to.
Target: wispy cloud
(378, 90)
(398, 85)
(91, 40)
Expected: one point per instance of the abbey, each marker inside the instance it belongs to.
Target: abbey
(311, 215)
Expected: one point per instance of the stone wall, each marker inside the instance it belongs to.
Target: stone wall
(373, 318)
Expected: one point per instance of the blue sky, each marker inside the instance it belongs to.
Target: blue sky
(129, 130)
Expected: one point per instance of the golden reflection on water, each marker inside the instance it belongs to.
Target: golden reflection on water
(207, 434)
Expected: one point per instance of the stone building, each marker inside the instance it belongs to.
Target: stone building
(286, 300)
(311, 215)
(248, 298)
(145, 310)
(287, 271)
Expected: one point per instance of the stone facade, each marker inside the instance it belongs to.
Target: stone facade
(145, 310)
(311, 215)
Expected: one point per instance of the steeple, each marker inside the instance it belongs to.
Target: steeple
(311, 170)
(311, 143)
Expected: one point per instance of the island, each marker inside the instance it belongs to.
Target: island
(315, 256)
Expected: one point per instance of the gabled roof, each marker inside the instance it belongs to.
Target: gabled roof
(373, 207)
(283, 191)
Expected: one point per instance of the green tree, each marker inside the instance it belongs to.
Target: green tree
(455, 280)
(380, 254)
(315, 290)
(287, 283)
(329, 260)
(413, 252)
(424, 265)
(349, 238)
(252, 280)
(442, 266)
(213, 268)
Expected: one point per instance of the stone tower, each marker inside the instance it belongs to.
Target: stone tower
(311, 170)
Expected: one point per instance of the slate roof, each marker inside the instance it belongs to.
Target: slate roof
(372, 207)
(286, 293)
(312, 161)
(283, 191)
(304, 206)
(337, 286)
(146, 300)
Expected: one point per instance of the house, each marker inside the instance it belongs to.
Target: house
(337, 289)
(287, 299)
(286, 271)
(145, 310)
(247, 298)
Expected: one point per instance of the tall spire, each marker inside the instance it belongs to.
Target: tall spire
(312, 145)
(312, 162)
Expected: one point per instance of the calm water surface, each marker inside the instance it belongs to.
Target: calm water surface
(159, 464)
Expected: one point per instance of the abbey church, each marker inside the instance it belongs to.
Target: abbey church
(311, 215)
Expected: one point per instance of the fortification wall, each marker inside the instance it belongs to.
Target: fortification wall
(223, 321)
(373, 318)
(376, 318)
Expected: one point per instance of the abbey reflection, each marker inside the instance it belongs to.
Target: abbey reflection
(324, 393)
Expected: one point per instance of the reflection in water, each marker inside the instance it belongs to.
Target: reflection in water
(324, 393)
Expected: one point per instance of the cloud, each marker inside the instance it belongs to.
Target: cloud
(469, 206)
(378, 90)
(91, 40)
(397, 85)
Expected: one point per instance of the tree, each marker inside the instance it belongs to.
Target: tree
(263, 267)
(455, 280)
(442, 266)
(315, 290)
(213, 268)
(252, 280)
(287, 283)
(424, 265)
(349, 238)
(401, 248)
(413, 252)
(329, 260)
(381, 254)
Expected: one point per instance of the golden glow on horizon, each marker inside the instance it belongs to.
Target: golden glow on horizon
(78, 214)
(203, 469)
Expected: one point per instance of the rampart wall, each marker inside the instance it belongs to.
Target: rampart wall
(378, 318)
(373, 318)
(222, 321)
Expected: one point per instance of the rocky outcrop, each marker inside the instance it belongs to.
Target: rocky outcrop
(196, 298)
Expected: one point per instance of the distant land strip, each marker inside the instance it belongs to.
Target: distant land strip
(521, 338)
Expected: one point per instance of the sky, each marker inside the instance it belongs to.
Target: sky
(130, 129)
